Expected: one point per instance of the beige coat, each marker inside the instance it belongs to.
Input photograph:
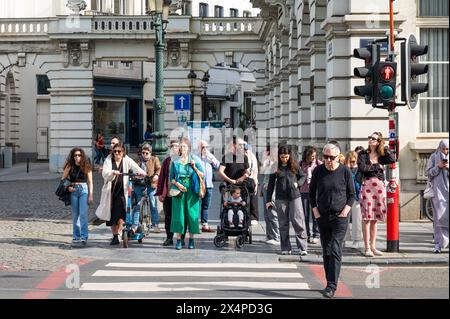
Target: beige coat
(104, 208)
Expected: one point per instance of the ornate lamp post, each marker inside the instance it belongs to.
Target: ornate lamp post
(159, 12)
(205, 81)
(192, 76)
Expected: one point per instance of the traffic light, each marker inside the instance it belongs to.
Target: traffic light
(385, 75)
(411, 69)
(371, 56)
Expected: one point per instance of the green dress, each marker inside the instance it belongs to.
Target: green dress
(186, 204)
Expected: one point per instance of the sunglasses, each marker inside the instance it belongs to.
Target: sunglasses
(145, 153)
(372, 138)
(76, 155)
(117, 152)
(329, 157)
(352, 162)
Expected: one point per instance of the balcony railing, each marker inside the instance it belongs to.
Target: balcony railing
(121, 24)
(212, 26)
(24, 26)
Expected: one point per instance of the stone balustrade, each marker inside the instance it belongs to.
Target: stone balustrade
(121, 24)
(24, 26)
(211, 26)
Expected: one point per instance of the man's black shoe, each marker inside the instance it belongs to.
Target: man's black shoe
(328, 293)
(168, 242)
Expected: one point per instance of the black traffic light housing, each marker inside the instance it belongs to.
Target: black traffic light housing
(371, 57)
(411, 69)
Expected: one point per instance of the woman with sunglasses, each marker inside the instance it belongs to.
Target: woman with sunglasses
(113, 201)
(79, 171)
(332, 194)
(373, 190)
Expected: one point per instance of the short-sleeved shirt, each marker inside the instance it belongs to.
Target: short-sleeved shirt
(235, 166)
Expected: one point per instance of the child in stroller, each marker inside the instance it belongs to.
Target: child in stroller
(234, 204)
(234, 212)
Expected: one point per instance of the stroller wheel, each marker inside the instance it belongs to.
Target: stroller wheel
(240, 241)
(125, 238)
(219, 241)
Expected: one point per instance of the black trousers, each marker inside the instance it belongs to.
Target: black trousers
(254, 212)
(167, 207)
(332, 232)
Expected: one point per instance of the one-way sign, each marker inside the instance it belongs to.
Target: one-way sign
(182, 102)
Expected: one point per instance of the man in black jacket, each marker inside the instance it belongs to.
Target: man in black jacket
(332, 194)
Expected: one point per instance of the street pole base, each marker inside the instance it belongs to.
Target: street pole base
(392, 246)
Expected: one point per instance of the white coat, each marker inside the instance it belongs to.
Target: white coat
(103, 211)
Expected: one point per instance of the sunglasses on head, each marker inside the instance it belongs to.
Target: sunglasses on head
(329, 157)
(372, 138)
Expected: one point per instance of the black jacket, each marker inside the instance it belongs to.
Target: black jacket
(286, 185)
(373, 170)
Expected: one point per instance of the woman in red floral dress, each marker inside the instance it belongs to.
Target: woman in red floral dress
(373, 190)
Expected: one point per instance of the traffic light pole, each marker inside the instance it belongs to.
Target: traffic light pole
(393, 187)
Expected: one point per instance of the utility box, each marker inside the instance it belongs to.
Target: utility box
(7, 157)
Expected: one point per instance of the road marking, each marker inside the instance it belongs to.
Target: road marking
(209, 265)
(194, 286)
(124, 273)
(342, 289)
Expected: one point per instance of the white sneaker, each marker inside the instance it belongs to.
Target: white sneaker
(273, 242)
(303, 253)
(254, 222)
(231, 225)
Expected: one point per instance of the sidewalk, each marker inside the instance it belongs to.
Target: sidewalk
(37, 171)
(416, 247)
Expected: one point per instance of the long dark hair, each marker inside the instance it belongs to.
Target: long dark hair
(291, 164)
(85, 165)
(309, 150)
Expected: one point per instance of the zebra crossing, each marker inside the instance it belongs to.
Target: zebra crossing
(194, 277)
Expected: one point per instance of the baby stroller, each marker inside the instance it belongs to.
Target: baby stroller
(243, 234)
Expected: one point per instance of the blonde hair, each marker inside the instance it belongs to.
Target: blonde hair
(350, 155)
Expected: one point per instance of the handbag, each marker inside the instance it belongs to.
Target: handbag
(428, 193)
(174, 191)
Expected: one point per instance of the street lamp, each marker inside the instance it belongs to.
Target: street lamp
(192, 76)
(159, 13)
(205, 81)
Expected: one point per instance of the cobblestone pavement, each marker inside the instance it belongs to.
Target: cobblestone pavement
(35, 244)
(37, 199)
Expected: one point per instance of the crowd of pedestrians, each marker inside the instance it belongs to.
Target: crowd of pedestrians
(319, 198)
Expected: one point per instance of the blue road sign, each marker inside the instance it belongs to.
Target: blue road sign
(182, 102)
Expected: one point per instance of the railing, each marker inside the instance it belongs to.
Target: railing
(23, 26)
(121, 24)
(229, 25)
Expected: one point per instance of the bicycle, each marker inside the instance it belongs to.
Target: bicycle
(428, 209)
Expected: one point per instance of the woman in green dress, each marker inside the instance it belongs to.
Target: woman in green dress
(184, 173)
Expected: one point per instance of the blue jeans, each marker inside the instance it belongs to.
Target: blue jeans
(99, 155)
(80, 211)
(206, 202)
(308, 213)
(152, 200)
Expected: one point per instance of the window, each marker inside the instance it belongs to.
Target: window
(126, 64)
(203, 10)
(434, 103)
(433, 8)
(218, 11)
(43, 84)
(247, 14)
(116, 9)
(234, 13)
(311, 88)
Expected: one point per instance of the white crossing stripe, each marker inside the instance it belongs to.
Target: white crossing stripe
(275, 277)
(208, 265)
(120, 273)
(194, 286)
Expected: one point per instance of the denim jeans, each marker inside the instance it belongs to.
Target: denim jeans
(271, 219)
(99, 155)
(152, 200)
(332, 232)
(206, 202)
(308, 212)
(80, 211)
